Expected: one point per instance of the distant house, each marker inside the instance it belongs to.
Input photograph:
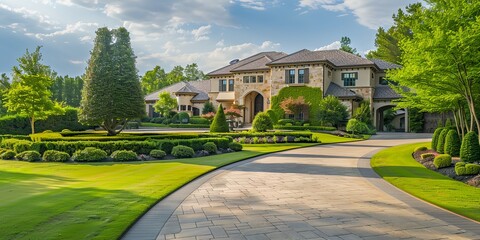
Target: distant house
(252, 82)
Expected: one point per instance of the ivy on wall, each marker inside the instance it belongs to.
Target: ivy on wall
(312, 95)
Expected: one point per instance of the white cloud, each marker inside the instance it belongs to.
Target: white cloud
(76, 62)
(369, 13)
(252, 4)
(201, 33)
(331, 46)
(70, 29)
(220, 43)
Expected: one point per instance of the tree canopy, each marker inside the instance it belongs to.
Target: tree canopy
(165, 103)
(345, 46)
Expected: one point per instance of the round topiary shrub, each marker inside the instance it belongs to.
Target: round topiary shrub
(420, 149)
(235, 146)
(8, 155)
(183, 117)
(181, 151)
(273, 116)
(262, 122)
(356, 127)
(442, 161)
(210, 147)
(89, 154)
(124, 156)
(157, 154)
(219, 123)
(55, 156)
(435, 136)
(470, 149)
(452, 143)
(441, 140)
(29, 156)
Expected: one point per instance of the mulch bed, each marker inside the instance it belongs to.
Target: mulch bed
(473, 180)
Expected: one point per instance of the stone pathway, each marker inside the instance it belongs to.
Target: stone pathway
(322, 192)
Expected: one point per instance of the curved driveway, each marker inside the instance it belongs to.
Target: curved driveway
(321, 192)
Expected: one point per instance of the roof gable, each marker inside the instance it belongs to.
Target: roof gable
(252, 62)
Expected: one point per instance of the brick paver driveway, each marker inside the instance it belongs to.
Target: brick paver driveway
(322, 192)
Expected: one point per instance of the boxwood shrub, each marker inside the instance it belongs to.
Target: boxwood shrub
(262, 122)
(472, 169)
(470, 149)
(55, 156)
(8, 155)
(435, 136)
(460, 169)
(441, 140)
(157, 154)
(303, 128)
(181, 151)
(199, 120)
(29, 156)
(420, 149)
(452, 143)
(425, 156)
(124, 156)
(210, 147)
(89, 154)
(235, 146)
(442, 161)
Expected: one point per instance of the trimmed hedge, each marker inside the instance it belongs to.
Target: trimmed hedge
(441, 140)
(55, 156)
(89, 154)
(470, 149)
(219, 123)
(235, 146)
(262, 122)
(29, 156)
(189, 125)
(8, 155)
(420, 149)
(124, 156)
(302, 128)
(442, 161)
(199, 120)
(210, 147)
(157, 154)
(462, 168)
(181, 151)
(424, 156)
(435, 136)
(452, 143)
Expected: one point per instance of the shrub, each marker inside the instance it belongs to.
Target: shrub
(470, 149)
(441, 140)
(219, 123)
(167, 147)
(181, 151)
(472, 169)
(235, 146)
(29, 156)
(285, 121)
(356, 127)
(189, 125)
(425, 156)
(420, 149)
(288, 124)
(183, 117)
(273, 116)
(435, 136)
(8, 155)
(55, 156)
(66, 130)
(304, 127)
(47, 131)
(460, 169)
(199, 120)
(89, 154)
(262, 122)
(124, 156)
(210, 147)
(157, 154)
(442, 160)
(452, 143)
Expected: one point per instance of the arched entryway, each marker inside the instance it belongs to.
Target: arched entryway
(254, 103)
(390, 120)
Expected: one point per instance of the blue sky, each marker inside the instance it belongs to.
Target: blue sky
(179, 32)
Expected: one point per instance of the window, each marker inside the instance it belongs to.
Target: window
(383, 81)
(260, 78)
(246, 79)
(189, 107)
(222, 86)
(231, 84)
(183, 107)
(291, 76)
(349, 79)
(301, 75)
(301, 116)
(253, 79)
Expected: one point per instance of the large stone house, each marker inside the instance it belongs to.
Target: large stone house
(253, 81)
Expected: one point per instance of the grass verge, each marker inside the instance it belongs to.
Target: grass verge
(99, 200)
(397, 166)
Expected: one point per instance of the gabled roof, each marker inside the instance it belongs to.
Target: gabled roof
(259, 64)
(385, 92)
(227, 70)
(199, 88)
(337, 58)
(384, 65)
(187, 89)
(340, 92)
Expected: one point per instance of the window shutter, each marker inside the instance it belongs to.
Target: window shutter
(286, 76)
(219, 85)
(306, 76)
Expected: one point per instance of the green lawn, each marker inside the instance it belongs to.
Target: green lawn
(397, 166)
(148, 124)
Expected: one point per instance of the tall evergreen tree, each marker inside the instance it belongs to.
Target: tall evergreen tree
(111, 94)
(345, 46)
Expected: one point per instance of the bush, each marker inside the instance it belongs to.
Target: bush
(183, 117)
(452, 143)
(441, 140)
(55, 156)
(262, 122)
(123, 156)
(29, 156)
(199, 120)
(425, 156)
(435, 136)
(219, 123)
(304, 127)
(210, 147)
(8, 155)
(273, 116)
(235, 146)
(283, 122)
(472, 169)
(442, 160)
(167, 147)
(288, 124)
(356, 127)
(189, 125)
(460, 169)
(89, 154)
(470, 149)
(181, 151)
(420, 149)
(157, 154)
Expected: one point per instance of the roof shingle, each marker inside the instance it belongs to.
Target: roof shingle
(385, 92)
(340, 92)
(201, 88)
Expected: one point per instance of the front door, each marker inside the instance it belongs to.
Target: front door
(258, 105)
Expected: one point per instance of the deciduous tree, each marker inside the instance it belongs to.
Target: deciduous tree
(165, 103)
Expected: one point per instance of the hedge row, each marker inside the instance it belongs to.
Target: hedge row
(265, 134)
(141, 147)
(189, 125)
(299, 128)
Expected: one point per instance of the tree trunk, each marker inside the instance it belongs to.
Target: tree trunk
(32, 124)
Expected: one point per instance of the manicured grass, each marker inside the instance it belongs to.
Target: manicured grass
(397, 166)
(147, 124)
(329, 138)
